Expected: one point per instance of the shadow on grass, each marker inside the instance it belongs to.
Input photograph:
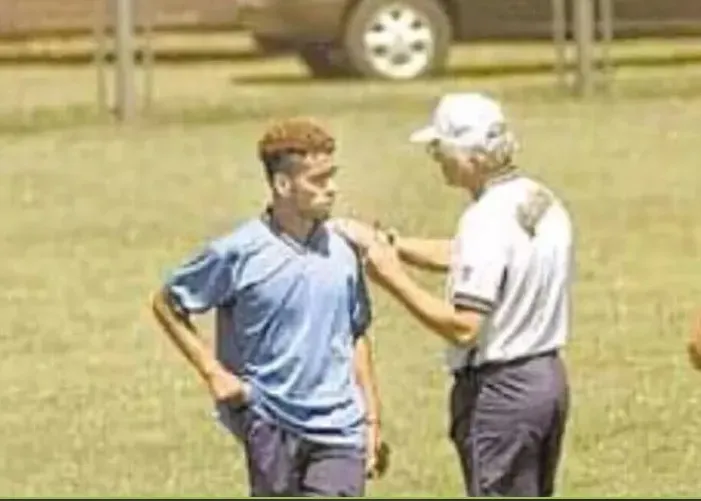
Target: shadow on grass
(343, 96)
(170, 57)
(501, 70)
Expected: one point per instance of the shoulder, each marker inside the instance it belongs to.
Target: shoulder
(532, 192)
(485, 216)
(339, 246)
(489, 222)
(243, 239)
(527, 188)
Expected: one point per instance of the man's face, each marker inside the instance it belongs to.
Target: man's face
(456, 166)
(312, 189)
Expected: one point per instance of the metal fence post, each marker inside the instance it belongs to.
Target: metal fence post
(605, 31)
(125, 89)
(584, 34)
(100, 54)
(559, 32)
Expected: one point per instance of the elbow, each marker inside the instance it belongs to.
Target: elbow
(440, 266)
(155, 299)
(445, 260)
(158, 303)
(166, 311)
(464, 327)
(462, 339)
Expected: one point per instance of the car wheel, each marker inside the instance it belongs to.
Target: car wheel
(325, 60)
(398, 39)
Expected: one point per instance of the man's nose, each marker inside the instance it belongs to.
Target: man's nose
(332, 188)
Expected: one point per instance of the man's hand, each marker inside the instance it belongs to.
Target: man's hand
(377, 460)
(694, 345)
(361, 235)
(383, 264)
(226, 387)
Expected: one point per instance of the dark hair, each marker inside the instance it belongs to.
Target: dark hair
(285, 141)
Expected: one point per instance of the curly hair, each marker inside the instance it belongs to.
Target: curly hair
(292, 137)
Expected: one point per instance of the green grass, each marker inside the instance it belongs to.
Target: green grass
(96, 402)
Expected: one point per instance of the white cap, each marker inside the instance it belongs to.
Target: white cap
(463, 119)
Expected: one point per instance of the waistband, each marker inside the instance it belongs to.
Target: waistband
(497, 365)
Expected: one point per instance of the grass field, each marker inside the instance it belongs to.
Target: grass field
(96, 402)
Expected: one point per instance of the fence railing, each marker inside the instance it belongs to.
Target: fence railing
(124, 54)
(591, 39)
(593, 28)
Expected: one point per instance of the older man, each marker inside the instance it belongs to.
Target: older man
(507, 311)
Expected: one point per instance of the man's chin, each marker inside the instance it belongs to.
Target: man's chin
(323, 214)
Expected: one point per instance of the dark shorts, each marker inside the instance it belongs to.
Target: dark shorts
(281, 463)
(507, 423)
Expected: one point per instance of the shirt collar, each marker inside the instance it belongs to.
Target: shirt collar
(269, 221)
(509, 173)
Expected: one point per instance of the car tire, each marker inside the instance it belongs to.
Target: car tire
(397, 39)
(325, 60)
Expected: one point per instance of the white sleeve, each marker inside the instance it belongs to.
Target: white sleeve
(479, 267)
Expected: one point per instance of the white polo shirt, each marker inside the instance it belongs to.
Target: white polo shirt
(514, 267)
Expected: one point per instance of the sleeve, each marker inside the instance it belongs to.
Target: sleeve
(204, 282)
(478, 268)
(361, 304)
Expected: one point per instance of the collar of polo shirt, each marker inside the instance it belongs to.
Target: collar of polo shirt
(507, 173)
(276, 228)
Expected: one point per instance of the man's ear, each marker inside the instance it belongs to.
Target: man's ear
(281, 184)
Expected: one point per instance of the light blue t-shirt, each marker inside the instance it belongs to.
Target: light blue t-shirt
(287, 316)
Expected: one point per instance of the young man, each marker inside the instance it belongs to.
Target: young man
(291, 373)
(507, 313)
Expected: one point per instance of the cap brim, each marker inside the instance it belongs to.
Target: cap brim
(425, 135)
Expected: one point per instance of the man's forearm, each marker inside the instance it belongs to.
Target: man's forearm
(428, 254)
(365, 375)
(185, 336)
(434, 313)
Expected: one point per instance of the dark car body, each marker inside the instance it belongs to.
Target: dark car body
(316, 20)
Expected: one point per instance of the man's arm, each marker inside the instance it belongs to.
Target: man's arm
(195, 288)
(477, 276)
(361, 318)
(377, 451)
(424, 253)
(185, 335)
(365, 375)
(459, 327)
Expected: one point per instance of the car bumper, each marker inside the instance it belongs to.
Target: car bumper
(293, 20)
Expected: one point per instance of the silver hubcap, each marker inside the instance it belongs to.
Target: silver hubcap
(399, 42)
